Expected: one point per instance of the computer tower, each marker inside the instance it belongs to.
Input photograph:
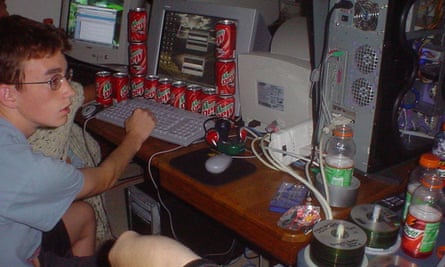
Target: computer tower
(368, 68)
(143, 212)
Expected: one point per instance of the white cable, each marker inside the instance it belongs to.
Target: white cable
(322, 172)
(293, 173)
(324, 204)
(157, 188)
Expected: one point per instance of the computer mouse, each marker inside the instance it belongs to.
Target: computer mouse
(218, 163)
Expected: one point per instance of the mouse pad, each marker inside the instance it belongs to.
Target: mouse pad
(192, 164)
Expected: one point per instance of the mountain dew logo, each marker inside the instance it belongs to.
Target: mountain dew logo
(106, 90)
(225, 111)
(220, 36)
(228, 77)
(138, 25)
(136, 56)
(125, 91)
(196, 105)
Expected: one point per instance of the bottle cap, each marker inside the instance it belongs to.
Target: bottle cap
(429, 160)
(432, 182)
(343, 131)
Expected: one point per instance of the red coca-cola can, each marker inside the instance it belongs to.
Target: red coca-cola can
(137, 62)
(163, 93)
(208, 101)
(104, 88)
(177, 94)
(151, 86)
(137, 85)
(137, 25)
(193, 98)
(225, 106)
(121, 87)
(225, 39)
(226, 76)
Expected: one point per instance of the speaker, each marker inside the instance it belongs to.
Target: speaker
(369, 68)
(221, 136)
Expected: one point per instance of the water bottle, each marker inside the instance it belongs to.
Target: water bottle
(421, 227)
(339, 161)
(428, 164)
(439, 150)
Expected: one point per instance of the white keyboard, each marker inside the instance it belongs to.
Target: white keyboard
(177, 126)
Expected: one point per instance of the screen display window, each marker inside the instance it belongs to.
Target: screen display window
(97, 21)
(187, 50)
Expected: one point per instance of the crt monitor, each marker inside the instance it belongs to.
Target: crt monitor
(181, 38)
(98, 29)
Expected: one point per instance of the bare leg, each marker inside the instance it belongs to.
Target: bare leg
(80, 222)
(134, 250)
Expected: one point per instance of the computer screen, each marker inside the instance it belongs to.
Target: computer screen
(98, 29)
(181, 39)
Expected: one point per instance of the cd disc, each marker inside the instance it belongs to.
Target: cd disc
(337, 243)
(380, 224)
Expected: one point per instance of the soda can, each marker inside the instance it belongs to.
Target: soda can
(225, 39)
(163, 93)
(104, 88)
(208, 101)
(121, 88)
(137, 25)
(193, 98)
(137, 62)
(137, 85)
(151, 86)
(177, 94)
(225, 76)
(225, 106)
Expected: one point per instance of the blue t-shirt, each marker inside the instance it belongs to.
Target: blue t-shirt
(35, 192)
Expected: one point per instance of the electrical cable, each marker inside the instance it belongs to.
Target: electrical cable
(150, 173)
(281, 166)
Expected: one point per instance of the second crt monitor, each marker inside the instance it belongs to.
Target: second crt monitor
(274, 88)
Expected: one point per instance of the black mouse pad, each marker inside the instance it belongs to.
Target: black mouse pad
(192, 164)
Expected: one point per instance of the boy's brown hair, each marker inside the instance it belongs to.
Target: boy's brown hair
(23, 39)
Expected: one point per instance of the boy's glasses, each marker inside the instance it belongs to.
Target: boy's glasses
(55, 82)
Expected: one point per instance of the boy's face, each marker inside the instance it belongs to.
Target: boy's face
(38, 104)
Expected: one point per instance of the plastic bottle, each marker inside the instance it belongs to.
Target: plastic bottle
(428, 164)
(439, 150)
(339, 161)
(421, 227)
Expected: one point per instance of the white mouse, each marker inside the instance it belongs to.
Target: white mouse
(218, 163)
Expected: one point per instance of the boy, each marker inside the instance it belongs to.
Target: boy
(37, 191)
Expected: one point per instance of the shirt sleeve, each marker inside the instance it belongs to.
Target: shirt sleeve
(42, 189)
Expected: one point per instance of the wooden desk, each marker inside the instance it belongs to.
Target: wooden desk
(241, 205)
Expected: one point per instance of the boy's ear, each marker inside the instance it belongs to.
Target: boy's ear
(8, 95)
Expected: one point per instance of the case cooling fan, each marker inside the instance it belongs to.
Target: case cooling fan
(366, 15)
(366, 60)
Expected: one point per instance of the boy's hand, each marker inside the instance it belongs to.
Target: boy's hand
(140, 124)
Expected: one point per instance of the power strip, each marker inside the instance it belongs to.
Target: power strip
(296, 140)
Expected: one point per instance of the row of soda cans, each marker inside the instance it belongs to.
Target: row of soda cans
(119, 86)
